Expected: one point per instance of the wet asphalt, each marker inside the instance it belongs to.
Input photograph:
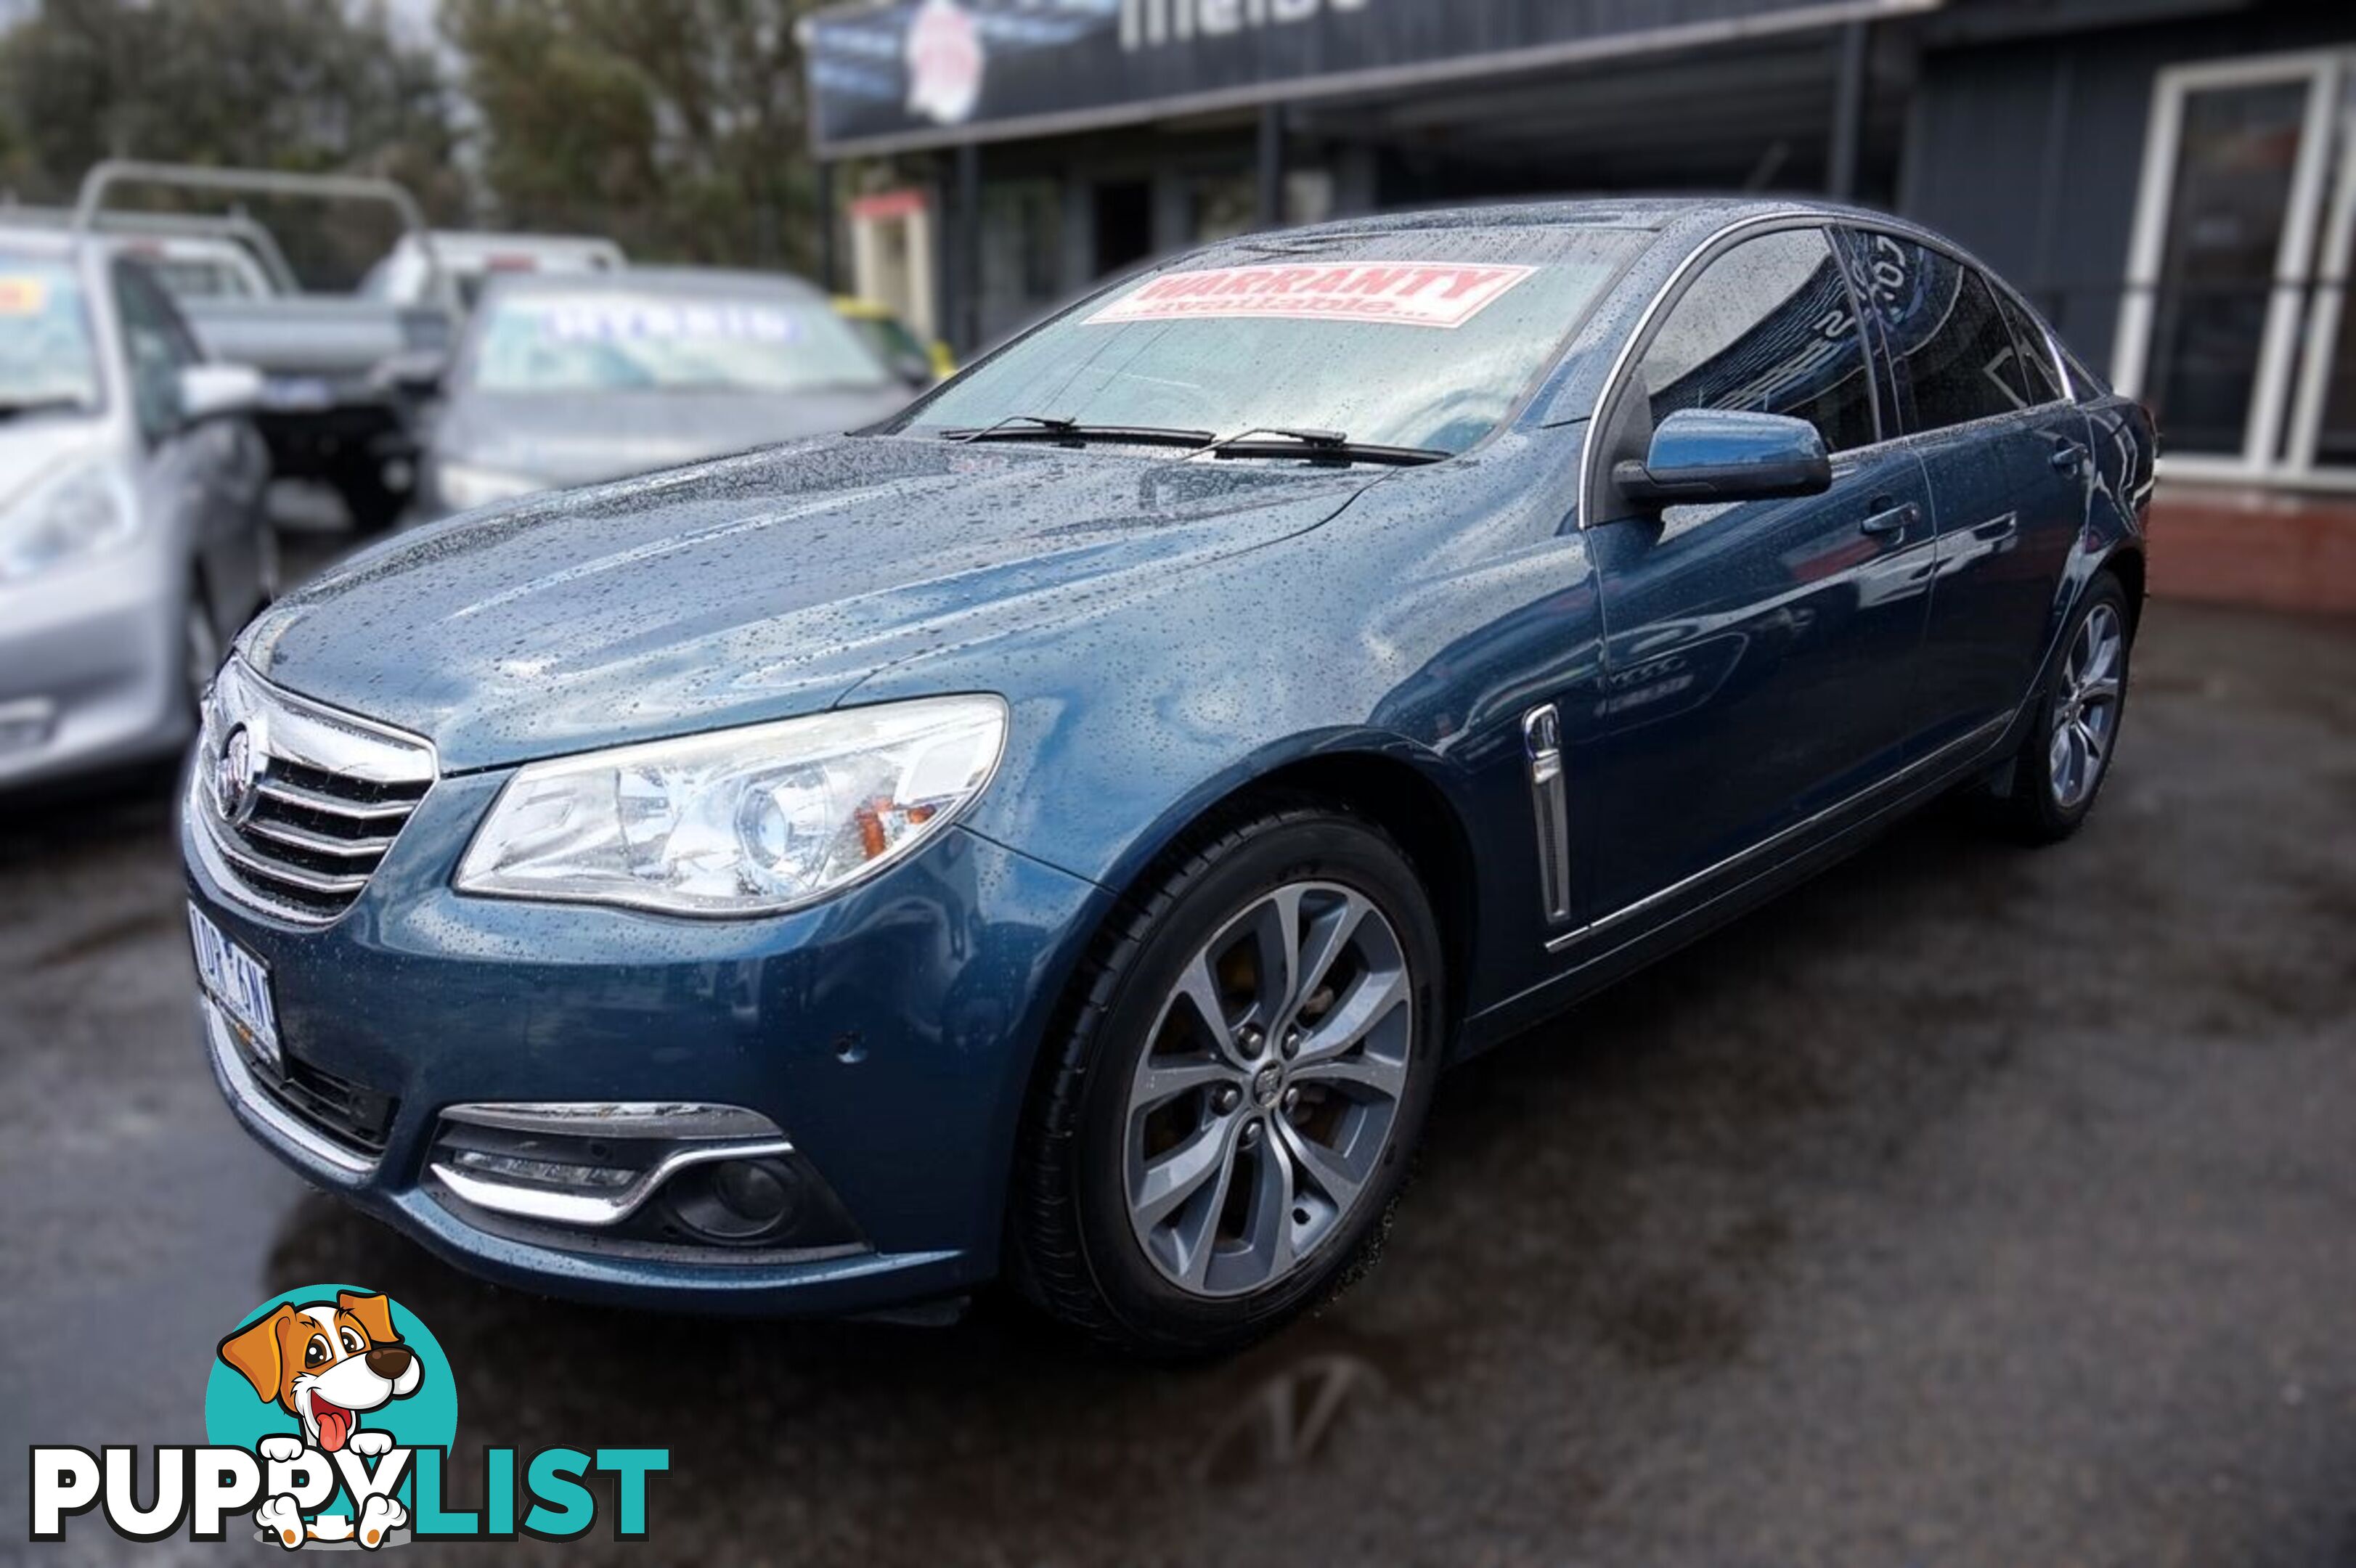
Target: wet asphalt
(1971, 1206)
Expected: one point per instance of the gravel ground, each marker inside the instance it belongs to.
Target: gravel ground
(1971, 1206)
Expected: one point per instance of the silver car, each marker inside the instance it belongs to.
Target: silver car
(134, 540)
(571, 380)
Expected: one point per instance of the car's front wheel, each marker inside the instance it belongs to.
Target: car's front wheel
(1219, 1130)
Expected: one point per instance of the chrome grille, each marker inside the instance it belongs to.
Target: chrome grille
(299, 800)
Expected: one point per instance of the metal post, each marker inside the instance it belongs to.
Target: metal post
(969, 247)
(1848, 113)
(829, 278)
(1271, 168)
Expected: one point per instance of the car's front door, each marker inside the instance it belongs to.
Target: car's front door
(1983, 404)
(1760, 656)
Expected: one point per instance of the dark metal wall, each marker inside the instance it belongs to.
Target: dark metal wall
(2030, 152)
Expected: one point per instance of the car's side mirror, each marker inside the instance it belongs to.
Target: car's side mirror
(414, 372)
(217, 391)
(1724, 454)
(916, 370)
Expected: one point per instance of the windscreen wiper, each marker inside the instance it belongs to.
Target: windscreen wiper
(1072, 433)
(1318, 446)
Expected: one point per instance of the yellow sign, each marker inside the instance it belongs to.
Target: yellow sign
(22, 296)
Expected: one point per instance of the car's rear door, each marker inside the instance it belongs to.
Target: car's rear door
(1760, 656)
(1983, 403)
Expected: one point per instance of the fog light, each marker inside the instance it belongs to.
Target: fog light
(735, 1200)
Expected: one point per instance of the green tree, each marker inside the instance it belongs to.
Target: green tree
(304, 85)
(289, 84)
(676, 126)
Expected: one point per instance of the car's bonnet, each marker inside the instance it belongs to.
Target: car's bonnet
(40, 447)
(754, 588)
(585, 439)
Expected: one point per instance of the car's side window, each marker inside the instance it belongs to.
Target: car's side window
(2038, 371)
(157, 346)
(1950, 350)
(1767, 328)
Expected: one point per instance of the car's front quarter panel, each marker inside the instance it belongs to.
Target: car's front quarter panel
(1418, 626)
(887, 1031)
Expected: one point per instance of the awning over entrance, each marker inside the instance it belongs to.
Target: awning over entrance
(901, 75)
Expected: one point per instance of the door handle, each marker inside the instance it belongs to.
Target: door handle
(2068, 457)
(1889, 519)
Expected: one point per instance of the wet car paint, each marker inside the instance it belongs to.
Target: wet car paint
(1165, 633)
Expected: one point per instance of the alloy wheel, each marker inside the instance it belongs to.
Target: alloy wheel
(1267, 1091)
(2086, 708)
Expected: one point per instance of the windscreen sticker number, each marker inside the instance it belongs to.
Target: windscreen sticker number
(1444, 295)
(23, 296)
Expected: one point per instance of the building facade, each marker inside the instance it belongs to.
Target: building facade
(2174, 180)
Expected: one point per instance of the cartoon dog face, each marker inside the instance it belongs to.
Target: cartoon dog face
(325, 1362)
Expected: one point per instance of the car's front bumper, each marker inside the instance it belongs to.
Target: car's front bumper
(90, 667)
(889, 1032)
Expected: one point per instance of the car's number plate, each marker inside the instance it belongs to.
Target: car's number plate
(238, 982)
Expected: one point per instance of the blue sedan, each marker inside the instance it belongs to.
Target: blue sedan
(1061, 834)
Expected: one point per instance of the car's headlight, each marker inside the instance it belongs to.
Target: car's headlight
(750, 821)
(87, 510)
(464, 487)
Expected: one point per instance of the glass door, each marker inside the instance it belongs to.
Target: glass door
(2223, 290)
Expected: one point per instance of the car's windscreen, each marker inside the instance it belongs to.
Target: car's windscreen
(1419, 338)
(638, 340)
(46, 358)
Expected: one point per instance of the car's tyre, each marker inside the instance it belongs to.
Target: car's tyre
(1223, 1119)
(2059, 772)
(200, 645)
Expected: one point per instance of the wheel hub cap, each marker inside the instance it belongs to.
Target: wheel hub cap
(2086, 708)
(1227, 1194)
(1266, 1085)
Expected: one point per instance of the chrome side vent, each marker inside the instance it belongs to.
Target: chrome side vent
(300, 802)
(1542, 739)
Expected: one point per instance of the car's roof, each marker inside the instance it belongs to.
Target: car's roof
(686, 282)
(1654, 213)
(36, 238)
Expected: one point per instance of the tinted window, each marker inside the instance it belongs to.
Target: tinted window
(1950, 349)
(1767, 328)
(2037, 375)
(1414, 337)
(157, 346)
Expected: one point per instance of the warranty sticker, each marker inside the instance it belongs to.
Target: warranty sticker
(1444, 295)
(23, 296)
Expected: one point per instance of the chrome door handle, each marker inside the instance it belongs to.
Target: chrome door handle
(2069, 457)
(1891, 519)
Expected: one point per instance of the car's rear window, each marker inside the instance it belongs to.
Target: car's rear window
(46, 358)
(619, 340)
(1420, 339)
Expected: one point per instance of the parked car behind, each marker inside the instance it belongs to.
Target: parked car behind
(1064, 832)
(471, 258)
(918, 362)
(567, 381)
(132, 539)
